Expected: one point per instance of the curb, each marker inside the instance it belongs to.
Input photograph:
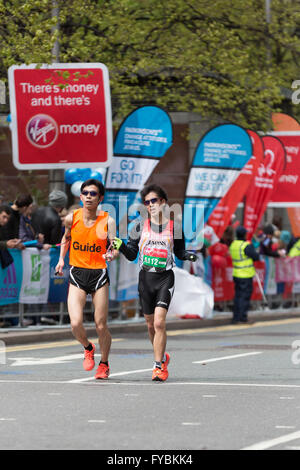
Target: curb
(40, 334)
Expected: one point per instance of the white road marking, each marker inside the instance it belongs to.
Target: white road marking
(235, 356)
(191, 424)
(209, 396)
(96, 421)
(285, 427)
(150, 383)
(7, 419)
(117, 374)
(274, 442)
(32, 361)
(286, 398)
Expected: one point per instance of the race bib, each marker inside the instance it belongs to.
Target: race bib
(155, 257)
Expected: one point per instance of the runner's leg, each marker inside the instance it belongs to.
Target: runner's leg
(100, 301)
(160, 335)
(76, 303)
(150, 325)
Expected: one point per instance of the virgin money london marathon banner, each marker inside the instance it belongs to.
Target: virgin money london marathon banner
(286, 193)
(142, 140)
(31, 279)
(263, 183)
(60, 116)
(35, 282)
(218, 160)
(221, 215)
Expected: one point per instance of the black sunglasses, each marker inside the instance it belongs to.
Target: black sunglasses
(92, 193)
(153, 201)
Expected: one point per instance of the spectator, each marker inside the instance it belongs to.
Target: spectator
(266, 243)
(5, 257)
(47, 221)
(11, 229)
(27, 232)
(243, 255)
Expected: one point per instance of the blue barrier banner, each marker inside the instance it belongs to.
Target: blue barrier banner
(58, 288)
(11, 280)
(219, 157)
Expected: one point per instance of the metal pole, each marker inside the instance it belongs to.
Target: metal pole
(56, 177)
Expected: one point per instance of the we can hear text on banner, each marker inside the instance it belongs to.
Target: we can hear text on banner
(218, 160)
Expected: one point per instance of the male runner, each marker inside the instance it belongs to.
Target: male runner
(155, 241)
(87, 234)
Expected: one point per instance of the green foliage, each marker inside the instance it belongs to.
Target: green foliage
(220, 58)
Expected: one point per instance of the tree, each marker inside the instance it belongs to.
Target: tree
(221, 59)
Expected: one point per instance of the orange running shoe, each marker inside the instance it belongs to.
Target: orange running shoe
(89, 362)
(159, 375)
(102, 371)
(164, 364)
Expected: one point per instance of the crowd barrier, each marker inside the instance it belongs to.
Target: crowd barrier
(276, 284)
(29, 287)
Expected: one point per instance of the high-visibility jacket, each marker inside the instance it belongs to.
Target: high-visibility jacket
(243, 266)
(295, 250)
(88, 244)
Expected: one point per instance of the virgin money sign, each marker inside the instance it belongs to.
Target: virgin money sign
(60, 116)
(221, 215)
(264, 182)
(287, 130)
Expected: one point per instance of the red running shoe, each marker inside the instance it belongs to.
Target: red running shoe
(102, 371)
(164, 364)
(159, 375)
(89, 361)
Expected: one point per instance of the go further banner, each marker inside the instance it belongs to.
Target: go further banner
(286, 193)
(218, 160)
(142, 140)
(60, 116)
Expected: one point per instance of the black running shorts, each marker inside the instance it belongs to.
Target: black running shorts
(88, 280)
(155, 290)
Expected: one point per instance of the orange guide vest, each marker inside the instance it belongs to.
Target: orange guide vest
(88, 244)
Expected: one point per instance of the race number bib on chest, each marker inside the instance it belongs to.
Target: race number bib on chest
(155, 257)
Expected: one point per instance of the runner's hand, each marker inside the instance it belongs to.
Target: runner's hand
(192, 257)
(117, 243)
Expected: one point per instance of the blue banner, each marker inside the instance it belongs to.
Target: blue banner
(11, 280)
(219, 157)
(58, 285)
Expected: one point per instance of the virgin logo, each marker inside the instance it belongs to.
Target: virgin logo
(266, 170)
(41, 130)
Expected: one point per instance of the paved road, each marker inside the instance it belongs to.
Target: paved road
(230, 387)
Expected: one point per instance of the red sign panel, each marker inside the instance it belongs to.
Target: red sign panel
(60, 116)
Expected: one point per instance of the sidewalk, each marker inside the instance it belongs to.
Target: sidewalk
(38, 334)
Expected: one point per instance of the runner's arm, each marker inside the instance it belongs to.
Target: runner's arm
(179, 247)
(112, 253)
(65, 243)
(131, 249)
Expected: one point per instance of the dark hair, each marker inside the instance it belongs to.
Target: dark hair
(5, 208)
(93, 182)
(23, 200)
(153, 188)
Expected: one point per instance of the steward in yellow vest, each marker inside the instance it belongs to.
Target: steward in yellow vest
(243, 255)
(295, 250)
